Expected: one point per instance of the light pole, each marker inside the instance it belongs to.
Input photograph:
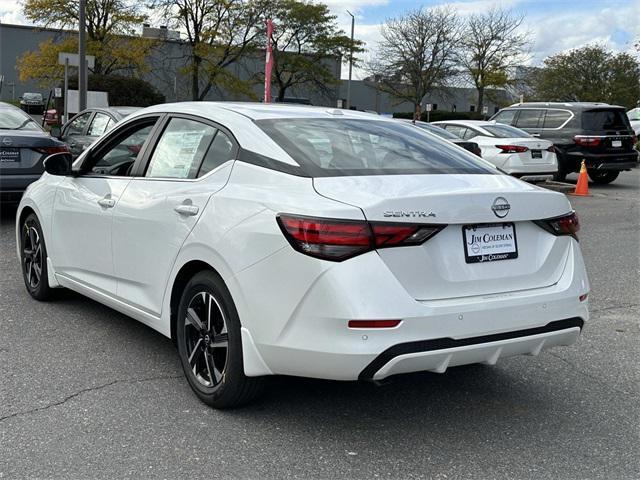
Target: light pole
(353, 21)
(82, 63)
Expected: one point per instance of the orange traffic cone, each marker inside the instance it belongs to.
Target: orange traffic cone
(582, 187)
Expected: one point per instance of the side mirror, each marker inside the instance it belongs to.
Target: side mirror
(58, 164)
(56, 131)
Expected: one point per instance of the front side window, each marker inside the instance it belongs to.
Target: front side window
(180, 150)
(119, 156)
(505, 116)
(340, 147)
(76, 126)
(100, 124)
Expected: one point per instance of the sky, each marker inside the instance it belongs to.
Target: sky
(554, 25)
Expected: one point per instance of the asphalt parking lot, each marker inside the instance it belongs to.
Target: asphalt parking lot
(86, 392)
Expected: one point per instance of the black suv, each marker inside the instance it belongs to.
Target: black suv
(596, 132)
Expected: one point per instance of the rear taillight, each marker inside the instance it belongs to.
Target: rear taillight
(564, 225)
(587, 140)
(634, 139)
(337, 240)
(551, 149)
(512, 148)
(50, 150)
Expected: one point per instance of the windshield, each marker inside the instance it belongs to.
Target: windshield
(600, 119)
(14, 119)
(341, 147)
(505, 131)
(32, 96)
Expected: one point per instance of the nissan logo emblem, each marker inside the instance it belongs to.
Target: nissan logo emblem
(501, 207)
(6, 141)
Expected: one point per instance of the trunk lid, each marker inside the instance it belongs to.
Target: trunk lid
(438, 269)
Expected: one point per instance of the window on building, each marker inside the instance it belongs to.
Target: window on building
(472, 108)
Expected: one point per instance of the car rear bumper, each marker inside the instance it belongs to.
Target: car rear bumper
(622, 161)
(315, 341)
(515, 166)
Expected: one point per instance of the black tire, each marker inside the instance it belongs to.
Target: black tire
(33, 259)
(603, 177)
(201, 348)
(560, 175)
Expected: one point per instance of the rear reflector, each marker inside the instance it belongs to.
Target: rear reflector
(582, 298)
(337, 240)
(374, 323)
(564, 225)
(512, 148)
(587, 141)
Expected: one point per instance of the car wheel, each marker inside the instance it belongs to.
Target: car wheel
(604, 177)
(210, 344)
(560, 175)
(33, 252)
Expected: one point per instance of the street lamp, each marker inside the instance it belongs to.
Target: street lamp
(353, 21)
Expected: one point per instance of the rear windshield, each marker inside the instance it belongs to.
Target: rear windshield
(14, 119)
(605, 120)
(327, 147)
(505, 131)
(439, 131)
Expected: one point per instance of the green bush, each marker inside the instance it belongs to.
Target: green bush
(123, 91)
(439, 115)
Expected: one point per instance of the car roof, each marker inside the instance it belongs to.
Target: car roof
(564, 105)
(259, 111)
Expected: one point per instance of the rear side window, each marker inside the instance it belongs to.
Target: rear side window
(180, 150)
(556, 118)
(347, 147)
(220, 151)
(530, 118)
(605, 120)
(505, 116)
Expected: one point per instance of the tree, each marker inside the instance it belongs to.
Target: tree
(110, 24)
(306, 36)
(133, 92)
(218, 34)
(491, 45)
(417, 53)
(590, 74)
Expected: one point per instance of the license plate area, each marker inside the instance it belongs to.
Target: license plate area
(9, 155)
(489, 242)
(616, 143)
(536, 153)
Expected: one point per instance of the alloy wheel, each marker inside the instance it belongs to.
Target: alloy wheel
(32, 256)
(206, 339)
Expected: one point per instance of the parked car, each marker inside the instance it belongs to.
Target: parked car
(85, 127)
(596, 132)
(510, 149)
(23, 147)
(276, 239)
(32, 103)
(51, 117)
(634, 119)
(442, 133)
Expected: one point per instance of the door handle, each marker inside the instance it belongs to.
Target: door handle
(107, 202)
(187, 210)
(535, 135)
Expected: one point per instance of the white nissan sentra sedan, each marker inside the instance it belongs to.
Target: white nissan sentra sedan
(278, 239)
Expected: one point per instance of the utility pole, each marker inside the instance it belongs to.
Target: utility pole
(353, 21)
(82, 62)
